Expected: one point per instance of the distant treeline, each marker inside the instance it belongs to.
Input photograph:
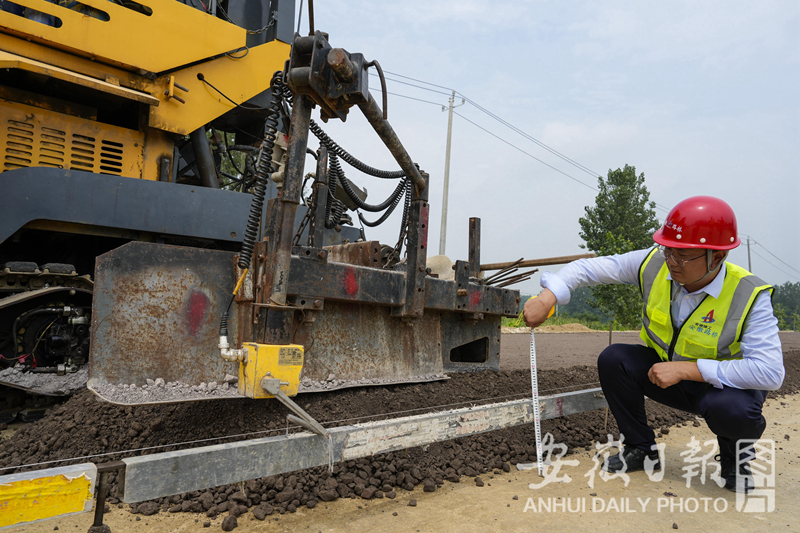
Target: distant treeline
(579, 307)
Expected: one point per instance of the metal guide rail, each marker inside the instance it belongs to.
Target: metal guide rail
(28, 497)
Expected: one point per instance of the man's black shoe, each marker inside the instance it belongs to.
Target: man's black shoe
(631, 459)
(741, 483)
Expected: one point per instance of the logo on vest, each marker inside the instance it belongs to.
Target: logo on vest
(709, 318)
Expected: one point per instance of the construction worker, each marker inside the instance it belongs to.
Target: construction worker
(710, 334)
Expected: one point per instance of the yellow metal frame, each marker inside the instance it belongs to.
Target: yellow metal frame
(240, 80)
(9, 60)
(172, 36)
(264, 360)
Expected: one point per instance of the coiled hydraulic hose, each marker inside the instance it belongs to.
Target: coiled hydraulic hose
(334, 208)
(406, 183)
(345, 183)
(351, 160)
(263, 171)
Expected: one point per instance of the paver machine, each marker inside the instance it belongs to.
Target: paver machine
(122, 121)
(298, 315)
(146, 250)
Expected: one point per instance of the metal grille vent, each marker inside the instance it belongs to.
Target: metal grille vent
(29, 146)
(19, 145)
(111, 157)
(25, 146)
(34, 137)
(82, 153)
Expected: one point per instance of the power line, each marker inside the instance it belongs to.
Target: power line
(409, 97)
(542, 145)
(774, 266)
(778, 258)
(412, 85)
(526, 153)
(531, 138)
(420, 81)
(508, 125)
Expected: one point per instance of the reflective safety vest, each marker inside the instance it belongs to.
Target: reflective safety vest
(713, 330)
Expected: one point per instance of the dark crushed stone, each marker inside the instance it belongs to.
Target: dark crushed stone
(230, 523)
(412, 503)
(147, 508)
(62, 434)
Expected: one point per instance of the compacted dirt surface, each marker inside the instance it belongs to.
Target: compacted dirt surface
(84, 426)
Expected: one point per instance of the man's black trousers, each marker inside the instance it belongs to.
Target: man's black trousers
(732, 414)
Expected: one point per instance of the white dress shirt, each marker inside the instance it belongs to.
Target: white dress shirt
(762, 363)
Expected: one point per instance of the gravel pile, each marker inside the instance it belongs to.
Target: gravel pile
(332, 383)
(85, 426)
(49, 384)
(159, 391)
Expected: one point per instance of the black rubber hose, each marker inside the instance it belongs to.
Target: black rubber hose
(355, 163)
(241, 148)
(263, 171)
(345, 183)
(389, 211)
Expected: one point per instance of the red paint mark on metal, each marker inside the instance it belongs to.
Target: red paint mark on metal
(350, 282)
(474, 299)
(559, 407)
(196, 307)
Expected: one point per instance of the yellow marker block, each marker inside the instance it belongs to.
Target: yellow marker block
(44, 494)
(283, 362)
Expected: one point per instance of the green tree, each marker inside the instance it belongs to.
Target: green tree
(623, 219)
(786, 301)
(583, 304)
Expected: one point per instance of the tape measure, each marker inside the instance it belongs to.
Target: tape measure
(537, 422)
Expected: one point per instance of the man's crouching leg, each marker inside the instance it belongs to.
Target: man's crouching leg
(734, 415)
(623, 370)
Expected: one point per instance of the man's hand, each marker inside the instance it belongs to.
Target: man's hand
(536, 309)
(669, 373)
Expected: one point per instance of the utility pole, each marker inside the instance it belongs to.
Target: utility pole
(443, 233)
(749, 268)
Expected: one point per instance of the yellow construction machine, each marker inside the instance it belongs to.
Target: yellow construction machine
(145, 144)
(120, 121)
(142, 259)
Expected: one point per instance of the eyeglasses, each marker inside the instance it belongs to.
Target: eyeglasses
(674, 259)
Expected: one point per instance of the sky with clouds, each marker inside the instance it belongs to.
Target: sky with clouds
(701, 97)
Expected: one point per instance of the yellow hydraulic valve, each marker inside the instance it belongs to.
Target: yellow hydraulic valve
(272, 362)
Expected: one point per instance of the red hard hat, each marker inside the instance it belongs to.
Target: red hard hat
(699, 222)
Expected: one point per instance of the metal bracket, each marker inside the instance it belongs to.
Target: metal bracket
(273, 386)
